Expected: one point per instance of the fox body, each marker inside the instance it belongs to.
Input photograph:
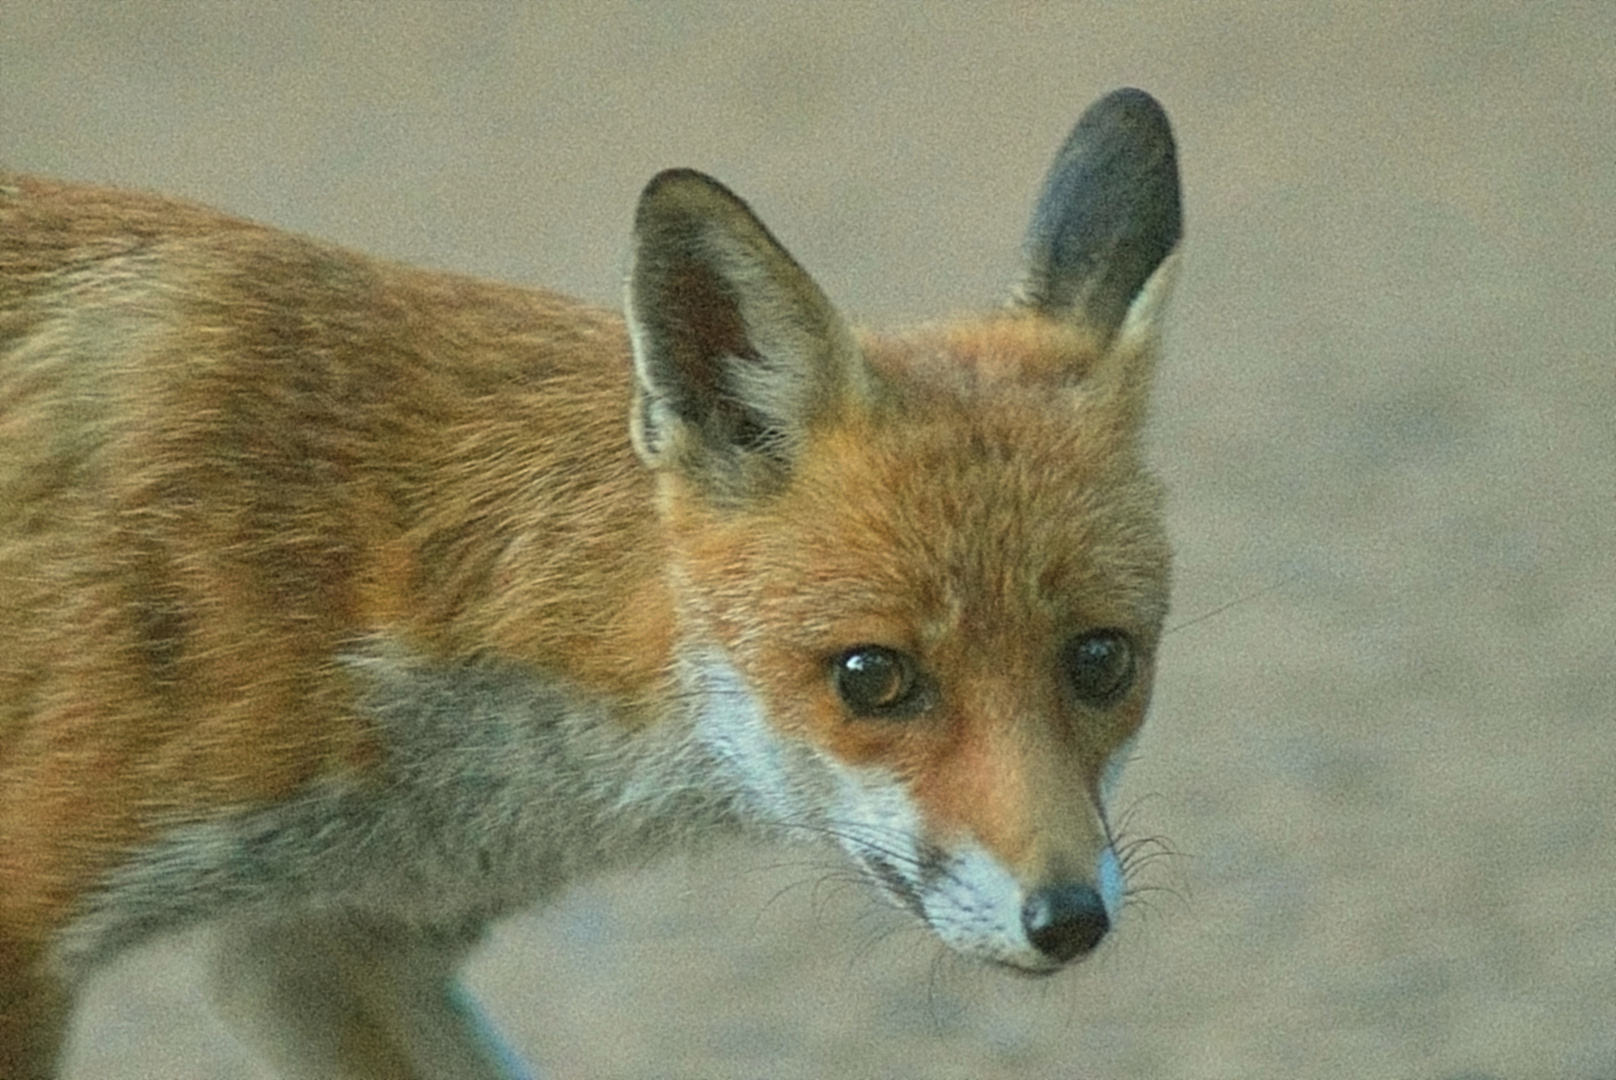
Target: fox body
(346, 607)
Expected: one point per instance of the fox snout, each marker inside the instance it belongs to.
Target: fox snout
(1066, 919)
(978, 909)
(1032, 919)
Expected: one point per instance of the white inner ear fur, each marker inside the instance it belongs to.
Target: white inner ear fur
(1142, 325)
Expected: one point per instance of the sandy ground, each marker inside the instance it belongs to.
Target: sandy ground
(1384, 738)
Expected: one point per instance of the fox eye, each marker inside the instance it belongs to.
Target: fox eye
(875, 681)
(1099, 666)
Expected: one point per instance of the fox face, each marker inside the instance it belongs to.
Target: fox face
(922, 577)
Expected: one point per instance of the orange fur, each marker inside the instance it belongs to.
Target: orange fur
(224, 551)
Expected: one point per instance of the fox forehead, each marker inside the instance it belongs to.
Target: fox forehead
(976, 491)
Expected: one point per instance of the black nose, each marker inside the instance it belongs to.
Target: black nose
(1065, 921)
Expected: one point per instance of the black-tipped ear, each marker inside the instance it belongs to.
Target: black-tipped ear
(1108, 216)
(736, 350)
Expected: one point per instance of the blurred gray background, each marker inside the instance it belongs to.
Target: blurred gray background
(1385, 734)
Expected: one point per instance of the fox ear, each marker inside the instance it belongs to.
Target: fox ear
(1108, 219)
(736, 350)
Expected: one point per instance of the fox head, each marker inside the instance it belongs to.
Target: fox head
(923, 575)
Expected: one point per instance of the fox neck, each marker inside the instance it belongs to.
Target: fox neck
(559, 568)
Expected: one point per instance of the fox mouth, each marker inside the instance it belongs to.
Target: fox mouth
(1040, 971)
(899, 887)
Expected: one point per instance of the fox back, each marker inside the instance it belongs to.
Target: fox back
(345, 608)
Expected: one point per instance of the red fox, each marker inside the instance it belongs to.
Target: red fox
(345, 608)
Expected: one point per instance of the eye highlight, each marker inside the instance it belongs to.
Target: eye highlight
(1099, 667)
(875, 681)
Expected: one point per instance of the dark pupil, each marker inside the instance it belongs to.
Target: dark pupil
(871, 679)
(1099, 667)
